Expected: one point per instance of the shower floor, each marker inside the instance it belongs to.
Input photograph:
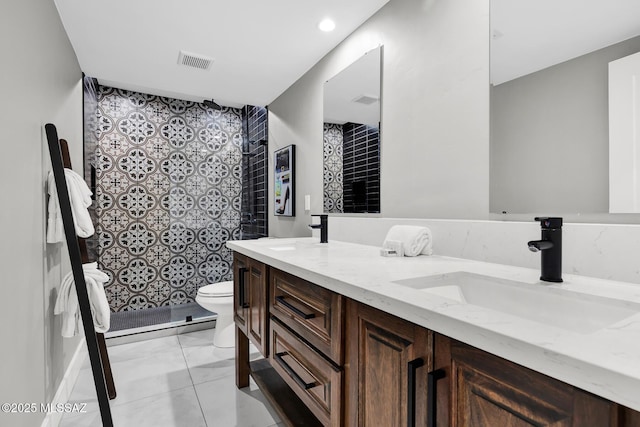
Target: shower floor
(160, 317)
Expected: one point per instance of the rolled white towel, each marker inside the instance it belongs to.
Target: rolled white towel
(415, 240)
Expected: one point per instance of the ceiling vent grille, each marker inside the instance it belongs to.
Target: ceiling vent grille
(194, 60)
(365, 99)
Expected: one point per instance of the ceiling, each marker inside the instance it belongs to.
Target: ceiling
(532, 35)
(259, 48)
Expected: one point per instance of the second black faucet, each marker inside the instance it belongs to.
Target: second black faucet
(550, 246)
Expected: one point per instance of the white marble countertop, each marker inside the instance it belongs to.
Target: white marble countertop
(605, 362)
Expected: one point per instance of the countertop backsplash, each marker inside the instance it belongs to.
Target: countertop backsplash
(605, 251)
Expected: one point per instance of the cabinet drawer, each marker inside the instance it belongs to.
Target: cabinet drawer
(313, 312)
(315, 380)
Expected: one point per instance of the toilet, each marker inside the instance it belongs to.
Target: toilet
(218, 298)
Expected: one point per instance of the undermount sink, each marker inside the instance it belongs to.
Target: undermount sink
(540, 303)
(280, 245)
(283, 248)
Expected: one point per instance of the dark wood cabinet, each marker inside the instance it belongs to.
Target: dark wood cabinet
(250, 300)
(334, 361)
(480, 389)
(386, 364)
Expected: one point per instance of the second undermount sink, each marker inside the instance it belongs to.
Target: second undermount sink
(280, 245)
(540, 303)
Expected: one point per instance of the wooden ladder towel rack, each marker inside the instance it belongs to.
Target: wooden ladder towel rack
(101, 376)
(84, 255)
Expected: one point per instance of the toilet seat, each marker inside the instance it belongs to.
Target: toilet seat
(217, 290)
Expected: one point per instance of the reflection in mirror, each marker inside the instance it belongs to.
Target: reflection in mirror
(351, 148)
(549, 101)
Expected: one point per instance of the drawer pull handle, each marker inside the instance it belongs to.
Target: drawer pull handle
(432, 378)
(241, 273)
(292, 373)
(411, 390)
(295, 309)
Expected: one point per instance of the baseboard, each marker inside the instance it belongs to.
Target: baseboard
(52, 419)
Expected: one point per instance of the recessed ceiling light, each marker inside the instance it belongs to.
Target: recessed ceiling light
(327, 25)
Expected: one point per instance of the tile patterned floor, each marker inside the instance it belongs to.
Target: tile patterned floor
(180, 381)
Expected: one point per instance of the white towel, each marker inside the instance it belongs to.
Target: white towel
(415, 240)
(80, 197)
(67, 301)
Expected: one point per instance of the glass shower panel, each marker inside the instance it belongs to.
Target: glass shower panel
(205, 174)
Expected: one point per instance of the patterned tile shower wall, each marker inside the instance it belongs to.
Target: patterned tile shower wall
(332, 168)
(169, 196)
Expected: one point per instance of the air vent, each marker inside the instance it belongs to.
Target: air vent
(365, 99)
(194, 60)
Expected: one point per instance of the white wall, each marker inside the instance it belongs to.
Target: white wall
(552, 126)
(41, 82)
(435, 113)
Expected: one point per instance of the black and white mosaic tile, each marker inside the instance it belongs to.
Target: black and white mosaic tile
(169, 184)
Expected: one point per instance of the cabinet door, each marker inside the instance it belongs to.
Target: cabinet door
(257, 322)
(386, 370)
(240, 286)
(481, 389)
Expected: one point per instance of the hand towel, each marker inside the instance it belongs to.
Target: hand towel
(80, 198)
(67, 301)
(415, 240)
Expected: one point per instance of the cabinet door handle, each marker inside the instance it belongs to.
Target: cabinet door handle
(281, 299)
(411, 390)
(432, 378)
(241, 272)
(293, 374)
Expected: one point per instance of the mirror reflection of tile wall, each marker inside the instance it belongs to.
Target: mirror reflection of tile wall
(351, 168)
(254, 223)
(332, 168)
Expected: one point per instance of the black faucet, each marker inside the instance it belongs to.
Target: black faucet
(323, 226)
(551, 247)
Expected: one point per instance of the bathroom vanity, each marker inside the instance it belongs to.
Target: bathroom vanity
(353, 338)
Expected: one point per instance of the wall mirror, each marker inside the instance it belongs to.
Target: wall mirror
(351, 147)
(549, 148)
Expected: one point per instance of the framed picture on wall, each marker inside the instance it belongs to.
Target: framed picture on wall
(284, 188)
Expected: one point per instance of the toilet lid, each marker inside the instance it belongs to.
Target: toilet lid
(221, 289)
